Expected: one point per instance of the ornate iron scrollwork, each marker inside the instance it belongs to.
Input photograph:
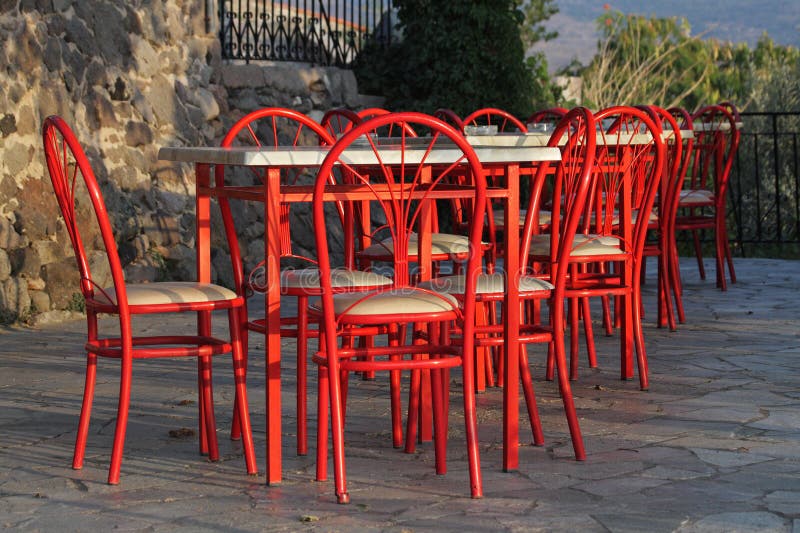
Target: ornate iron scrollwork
(326, 32)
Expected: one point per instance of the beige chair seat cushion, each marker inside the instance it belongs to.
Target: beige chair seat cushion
(544, 217)
(486, 284)
(168, 292)
(441, 244)
(582, 245)
(393, 302)
(696, 196)
(341, 278)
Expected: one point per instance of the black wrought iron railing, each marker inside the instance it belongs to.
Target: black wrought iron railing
(321, 32)
(764, 213)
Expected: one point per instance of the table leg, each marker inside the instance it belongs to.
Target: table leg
(203, 259)
(272, 343)
(511, 319)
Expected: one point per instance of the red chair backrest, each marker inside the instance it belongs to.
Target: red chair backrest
(339, 120)
(75, 186)
(391, 129)
(626, 157)
(405, 213)
(488, 116)
(715, 146)
(550, 115)
(269, 126)
(575, 135)
(451, 117)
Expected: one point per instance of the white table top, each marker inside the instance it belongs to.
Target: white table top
(541, 139)
(310, 156)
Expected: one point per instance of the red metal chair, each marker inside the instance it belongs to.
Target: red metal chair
(487, 116)
(569, 182)
(280, 127)
(684, 120)
(607, 252)
(662, 222)
(704, 204)
(402, 184)
(339, 120)
(77, 191)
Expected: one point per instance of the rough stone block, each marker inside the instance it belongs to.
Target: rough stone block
(145, 57)
(40, 301)
(5, 265)
(138, 133)
(48, 251)
(241, 76)
(14, 297)
(100, 110)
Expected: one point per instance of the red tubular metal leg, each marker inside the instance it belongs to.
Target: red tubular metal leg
(638, 335)
(122, 420)
(627, 336)
(322, 424)
(481, 319)
(530, 397)
(698, 251)
(208, 400)
(394, 384)
(244, 334)
(588, 332)
(439, 423)
(337, 431)
(239, 376)
(204, 329)
(302, 381)
(573, 338)
(566, 390)
(470, 423)
(86, 411)
(413, 410)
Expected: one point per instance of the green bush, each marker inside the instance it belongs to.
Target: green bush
(461, 54)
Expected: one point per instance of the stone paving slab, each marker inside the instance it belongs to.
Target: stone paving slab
(713, 446)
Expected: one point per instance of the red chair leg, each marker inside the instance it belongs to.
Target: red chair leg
(208, 400)
(302, 381)
(337, 432)
(638, 336)
(240, 377)
(203, 328)
(481, 319)
(627, 336)
(698, 252)
(245, 338)
(471, 425)
(566, 390)
(588, 332)
(86, 411)
(412, 423)
(530, 397)
(322, 423)
(394, 385)
(573, 338)
(729, 257)
(439, 423)
(549, 374)
(122, 420)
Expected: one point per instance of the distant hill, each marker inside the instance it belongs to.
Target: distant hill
(726, 20)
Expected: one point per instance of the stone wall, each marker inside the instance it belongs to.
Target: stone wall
(129, 76)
